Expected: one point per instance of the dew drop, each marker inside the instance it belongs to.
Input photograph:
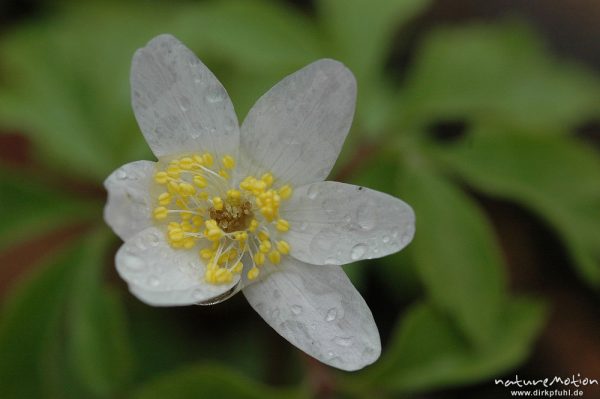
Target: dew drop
(331, 261)
(153, 281)
(133, 262)
(121, 174)
(331, 314)
(358, 251)
(214, 98)
(152, 239)
(405, 238)
(184, 103)
(343, 341)
(365, 216)
(296, 309)
(313, 191)
(385, 239)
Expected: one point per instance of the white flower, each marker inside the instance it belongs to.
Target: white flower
(229, 208)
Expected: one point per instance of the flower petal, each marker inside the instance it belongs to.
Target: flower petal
(337, 223)
(161, 276)
(179, 104)
(296, 130)
(128, 208)
(318, 310)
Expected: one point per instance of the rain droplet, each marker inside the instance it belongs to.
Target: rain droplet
(331, 261)
(153, 281)
(343, 341)
(133, 262)
(365, 216)
(296, 309)
(121, 174)
(331, 314)
(313, 191)
(385, 239)
(405, 238)
(214, 98)
(152, 239)
(184, 103)
(358, 251)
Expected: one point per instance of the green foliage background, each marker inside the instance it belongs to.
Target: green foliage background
(69, 331)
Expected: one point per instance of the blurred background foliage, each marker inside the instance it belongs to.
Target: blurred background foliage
(472, 120)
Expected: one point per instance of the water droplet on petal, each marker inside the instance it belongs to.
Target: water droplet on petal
(343, 341)
(121, 174)
(331, 261)
(133, 262)
(365, 215)
(153, 281)
(218, 299)
(152, 239)
(358, 251)
(385, 239)
(312, 192)
(296, 309)
(331, 314)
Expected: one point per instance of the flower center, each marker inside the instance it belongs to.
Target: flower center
(234, 229)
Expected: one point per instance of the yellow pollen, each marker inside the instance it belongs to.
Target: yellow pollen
(282, 225)
(228, 162)
(200, 209)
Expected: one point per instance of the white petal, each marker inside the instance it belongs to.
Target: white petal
(179, 104)
(128, 208)
(318, 310)
(296, 130)
(161, 276)
(337, 223)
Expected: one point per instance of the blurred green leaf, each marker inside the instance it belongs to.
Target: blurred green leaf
(210, 381)
(361, 35)
(362, 31)
(28, 325)
(66, 84)
(428, 352)
(558, 177)
(99, 344)
(499, 73)
(28, 207)
(455, 253)
(255, 35)
(86, 356)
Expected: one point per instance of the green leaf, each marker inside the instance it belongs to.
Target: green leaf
(61, 335)
(210, 381)
(256, 35)
(66, 84)
(362, 31)
(499, 73)
(28, 326)
(29, 208)
(455, 253)
(360, 35)
(557, 177)
(428, 352)
(99, 345)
